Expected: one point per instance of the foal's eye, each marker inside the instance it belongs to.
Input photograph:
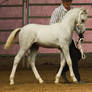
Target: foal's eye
(82, 20)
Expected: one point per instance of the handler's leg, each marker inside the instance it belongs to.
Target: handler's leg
(75, 56)
(62, 63)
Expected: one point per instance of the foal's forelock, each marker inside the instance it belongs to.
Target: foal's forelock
(81, 19)
(81, 12)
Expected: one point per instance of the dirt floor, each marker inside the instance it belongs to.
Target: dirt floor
(26, 82)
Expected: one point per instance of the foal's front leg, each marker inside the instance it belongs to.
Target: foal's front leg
(69, 62)
(62, 64)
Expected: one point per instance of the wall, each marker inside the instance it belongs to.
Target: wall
(35, 13)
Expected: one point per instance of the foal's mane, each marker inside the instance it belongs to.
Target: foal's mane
(70, 12)
(75, 11)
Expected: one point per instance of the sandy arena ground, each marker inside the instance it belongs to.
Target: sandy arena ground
(26, 82)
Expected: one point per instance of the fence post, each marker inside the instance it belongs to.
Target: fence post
(28, 11)
(23, 12)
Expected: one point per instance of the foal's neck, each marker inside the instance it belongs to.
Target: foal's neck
(69, 20)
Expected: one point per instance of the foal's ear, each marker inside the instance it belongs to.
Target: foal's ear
(84, 11)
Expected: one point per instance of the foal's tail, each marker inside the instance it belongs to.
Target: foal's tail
(11, 38)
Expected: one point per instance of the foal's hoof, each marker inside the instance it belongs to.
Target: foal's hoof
(81, 82)
(41, 81)
(12, 83)
(75, 82)
(56, 81)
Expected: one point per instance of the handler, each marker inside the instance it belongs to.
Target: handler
(75, 54)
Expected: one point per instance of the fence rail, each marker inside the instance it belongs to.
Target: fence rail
(11, 6)
(15, 18)
(55, 4)
(47, 16)
(10, 18)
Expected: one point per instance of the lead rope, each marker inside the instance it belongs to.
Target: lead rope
(79, 46)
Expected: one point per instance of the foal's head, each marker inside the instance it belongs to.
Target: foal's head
(81, 20)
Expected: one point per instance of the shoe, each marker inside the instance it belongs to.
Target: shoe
(81, 82)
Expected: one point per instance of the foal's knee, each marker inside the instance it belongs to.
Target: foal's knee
(69, 63)
(62, 64)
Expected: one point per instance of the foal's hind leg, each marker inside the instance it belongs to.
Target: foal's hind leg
(15, 64)
(31, 60)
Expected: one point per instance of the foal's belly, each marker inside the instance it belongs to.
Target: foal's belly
(48, 43)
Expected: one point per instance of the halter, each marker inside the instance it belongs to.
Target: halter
(82, 11)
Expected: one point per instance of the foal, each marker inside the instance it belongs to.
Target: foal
(58, 35)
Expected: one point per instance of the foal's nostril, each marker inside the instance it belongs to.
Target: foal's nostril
(83, 32)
